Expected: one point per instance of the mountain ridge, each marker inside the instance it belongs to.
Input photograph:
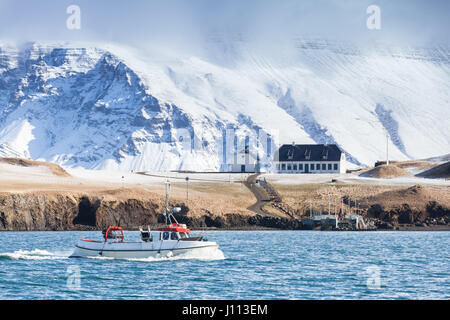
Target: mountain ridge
(106, 109)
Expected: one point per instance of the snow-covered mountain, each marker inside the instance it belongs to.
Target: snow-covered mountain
(109, 107)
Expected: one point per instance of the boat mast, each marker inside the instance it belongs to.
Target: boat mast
(167, 213)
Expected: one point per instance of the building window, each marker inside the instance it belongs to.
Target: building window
(290, 154)
(283, 166)
(300, 167)
(324, 166)
(335, 166)
(312, 166)
(329, 167)
(307, 154)
(289, 167)
(295, 167)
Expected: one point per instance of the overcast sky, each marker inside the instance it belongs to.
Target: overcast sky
(189, 22)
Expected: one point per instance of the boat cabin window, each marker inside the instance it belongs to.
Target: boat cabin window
(183, 235)
(146, 235)
(174, 236)
(113, 235)
(165, 236)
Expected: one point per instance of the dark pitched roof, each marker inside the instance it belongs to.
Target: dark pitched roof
(308, 152)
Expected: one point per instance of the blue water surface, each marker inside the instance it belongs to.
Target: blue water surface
(254, 265)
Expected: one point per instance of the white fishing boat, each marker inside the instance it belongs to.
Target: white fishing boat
(171, 240)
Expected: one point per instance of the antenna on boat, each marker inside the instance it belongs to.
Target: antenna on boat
(167, 212)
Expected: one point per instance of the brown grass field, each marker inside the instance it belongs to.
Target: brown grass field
(218, 197)
(300, 196)
(54, 168)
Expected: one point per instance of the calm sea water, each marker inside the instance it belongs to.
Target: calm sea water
(250, 265)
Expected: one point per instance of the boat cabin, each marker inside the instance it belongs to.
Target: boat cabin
(174, 231)
(173, 235)
(113, 234)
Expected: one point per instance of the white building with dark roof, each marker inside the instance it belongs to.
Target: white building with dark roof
(309, 158)
(246, 161)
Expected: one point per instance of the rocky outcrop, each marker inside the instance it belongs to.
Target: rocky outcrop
(54, 168)
(37, 212)
(441, 171)
(415, 206)
(131, 208)
(67, 211)
(393, 218)
(238, 221)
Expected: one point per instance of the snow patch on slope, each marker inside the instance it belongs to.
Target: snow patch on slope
(304, 116)
(15, 139)
(113, 107)
(391, 126)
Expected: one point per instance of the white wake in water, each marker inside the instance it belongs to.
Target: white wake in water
(35, 254)
(207, 254)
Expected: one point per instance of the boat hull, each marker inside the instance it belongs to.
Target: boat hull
(142, 250)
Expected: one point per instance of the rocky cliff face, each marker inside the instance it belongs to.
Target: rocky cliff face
(68, 211)
(394, 218)
(72, 211)
(82, 102)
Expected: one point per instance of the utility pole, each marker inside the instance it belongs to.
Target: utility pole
(187, 188)
(329, 205)
(167, 194)
(387, 148)
(166, 213)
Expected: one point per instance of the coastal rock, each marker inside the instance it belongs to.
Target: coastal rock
(67, 211)
(435, 210)
(25, 212)
(131, 209)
